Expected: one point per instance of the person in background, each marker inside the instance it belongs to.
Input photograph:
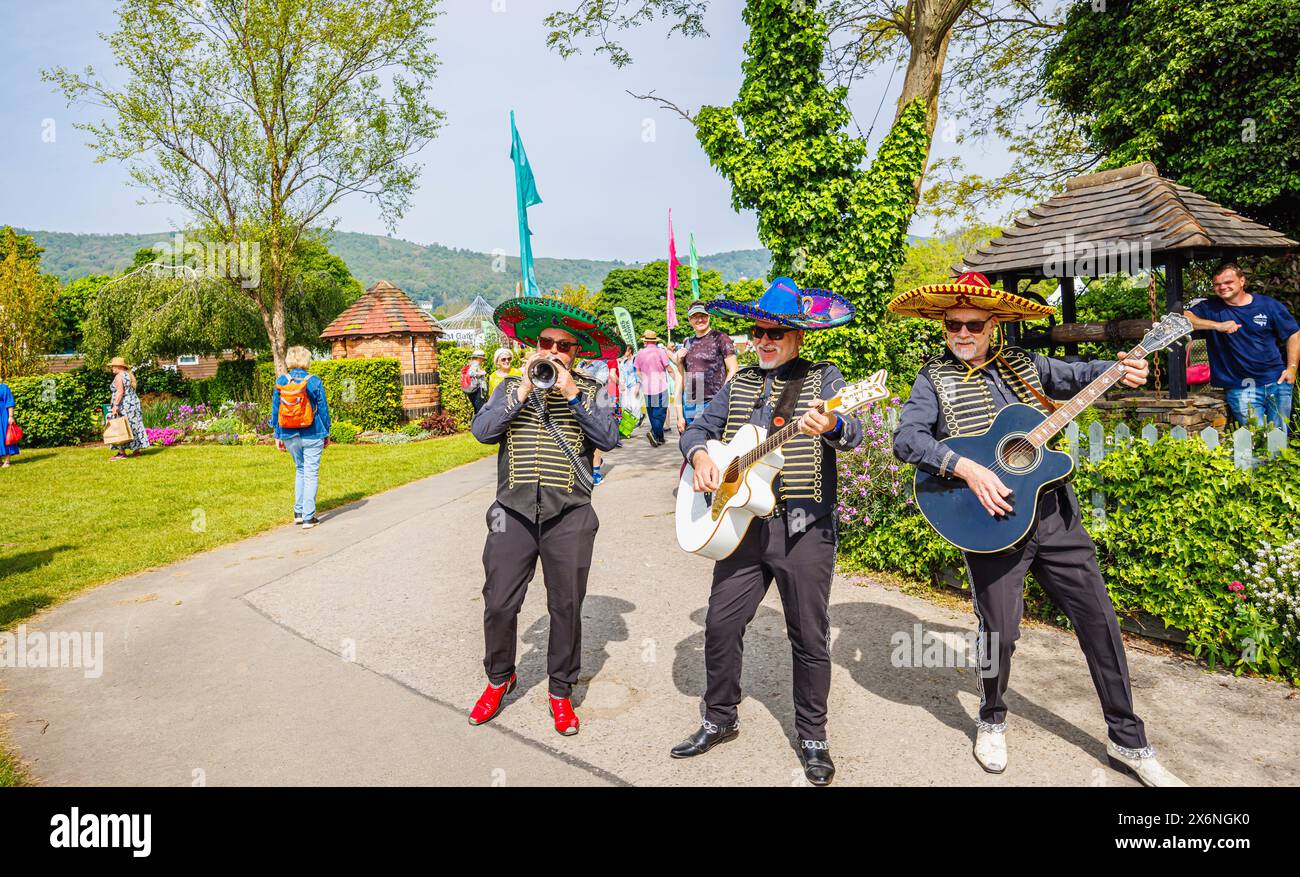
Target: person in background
(474, 380)
(599, 371)
(501, 369)
(6, 418)
(653, 365)
(126, 403)
(706, 360)
(1248, 331)
(301, 417)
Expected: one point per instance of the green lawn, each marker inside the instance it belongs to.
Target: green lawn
(70, 519)
(11, 772)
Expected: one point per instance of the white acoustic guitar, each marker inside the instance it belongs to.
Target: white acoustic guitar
(748, 464)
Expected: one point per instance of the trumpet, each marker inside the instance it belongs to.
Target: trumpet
(542, 373)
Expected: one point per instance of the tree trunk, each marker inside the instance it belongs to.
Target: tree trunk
(930, 24)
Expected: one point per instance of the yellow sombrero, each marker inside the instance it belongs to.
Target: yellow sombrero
(970, 290)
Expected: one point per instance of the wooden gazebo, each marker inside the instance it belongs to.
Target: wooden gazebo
(1128, 220)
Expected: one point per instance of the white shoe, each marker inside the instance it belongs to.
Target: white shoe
(991, 747)
(1142, 764)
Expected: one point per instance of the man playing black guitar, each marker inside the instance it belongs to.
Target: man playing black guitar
(959, 393)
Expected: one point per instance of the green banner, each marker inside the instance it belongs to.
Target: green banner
(625, 327)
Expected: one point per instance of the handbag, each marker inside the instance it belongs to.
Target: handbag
(1197, 372)
(13, 434)
(118, 431)
(627, 423)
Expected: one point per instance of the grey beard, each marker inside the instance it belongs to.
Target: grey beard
(967, 357)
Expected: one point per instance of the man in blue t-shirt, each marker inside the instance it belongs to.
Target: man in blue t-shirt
(1245, 348)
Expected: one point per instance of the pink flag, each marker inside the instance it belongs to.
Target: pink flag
(673, 265)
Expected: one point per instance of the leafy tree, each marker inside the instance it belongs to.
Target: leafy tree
(71, 308)
(28, 297)
(1209, 91)
(577, 295)
(995, 43)
(644, 292)
(158, 310)
(258, 116)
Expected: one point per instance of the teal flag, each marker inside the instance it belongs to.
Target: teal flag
(695, 271)
(625, 327)
(525, 196)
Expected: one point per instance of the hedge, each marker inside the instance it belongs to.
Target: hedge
(451, 359)
(59, 409)
(1179, 517)
(367, 392)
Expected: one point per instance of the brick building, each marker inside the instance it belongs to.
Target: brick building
(385, 323)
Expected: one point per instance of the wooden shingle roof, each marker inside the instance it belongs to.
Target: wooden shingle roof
(1128, 205)
(383, 310)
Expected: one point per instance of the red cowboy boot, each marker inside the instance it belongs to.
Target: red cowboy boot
(566, 720)
(489, 704)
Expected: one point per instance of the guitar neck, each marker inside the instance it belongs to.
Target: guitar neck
(769, 444)
(1061, 418)
(785, 433)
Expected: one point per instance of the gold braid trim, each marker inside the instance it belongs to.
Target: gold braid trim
(967, 405)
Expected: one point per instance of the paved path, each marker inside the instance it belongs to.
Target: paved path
(349, 655)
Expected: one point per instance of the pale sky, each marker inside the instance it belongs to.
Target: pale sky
(606, 190)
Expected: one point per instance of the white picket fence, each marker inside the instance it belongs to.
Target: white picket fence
(1243, 450)
(1093, 446)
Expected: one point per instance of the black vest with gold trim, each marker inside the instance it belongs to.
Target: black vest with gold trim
(808, 481)
(534, 476)
(967, 406)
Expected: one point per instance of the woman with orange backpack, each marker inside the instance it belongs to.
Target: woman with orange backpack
(301, 418)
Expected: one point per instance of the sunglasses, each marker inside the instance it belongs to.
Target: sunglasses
(544, 343)
(973, 326)
(760, 333)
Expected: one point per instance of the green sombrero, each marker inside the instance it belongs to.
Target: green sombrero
(524, 319)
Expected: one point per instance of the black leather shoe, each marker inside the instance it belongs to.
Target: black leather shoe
(708, 736)
(817, 764)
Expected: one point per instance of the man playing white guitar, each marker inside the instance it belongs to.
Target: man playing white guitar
(796, 544)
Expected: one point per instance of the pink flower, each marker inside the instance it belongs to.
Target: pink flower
(1236, 586)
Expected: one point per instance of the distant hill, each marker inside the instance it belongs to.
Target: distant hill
(447, 277)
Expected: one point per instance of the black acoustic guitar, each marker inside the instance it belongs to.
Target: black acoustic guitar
(1015, 447)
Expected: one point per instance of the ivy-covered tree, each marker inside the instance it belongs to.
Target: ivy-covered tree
(1209, 90)
(784, 148)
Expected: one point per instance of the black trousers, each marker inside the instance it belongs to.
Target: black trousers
(510, 555)
(802, 566)
(1063, 559)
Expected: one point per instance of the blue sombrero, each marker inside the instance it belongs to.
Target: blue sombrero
(785, 303)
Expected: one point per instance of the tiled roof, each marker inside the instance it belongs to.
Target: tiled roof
(383, 310)
(1133, 205)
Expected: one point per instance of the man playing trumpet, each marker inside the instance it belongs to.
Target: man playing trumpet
(547, 436)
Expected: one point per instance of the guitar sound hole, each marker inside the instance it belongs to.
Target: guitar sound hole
(1018, 454)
